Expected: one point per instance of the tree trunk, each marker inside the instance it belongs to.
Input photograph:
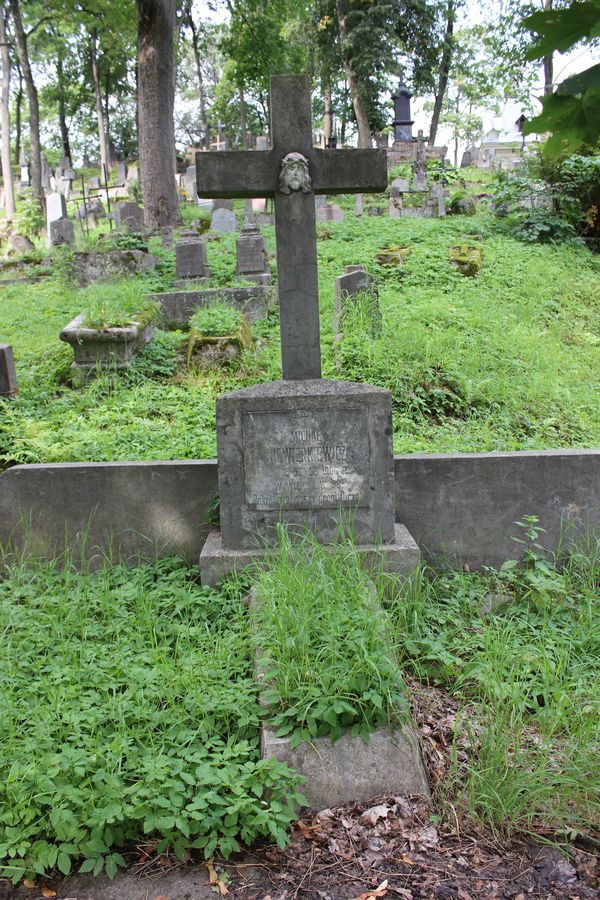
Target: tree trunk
(243, 117)
(445, 64)
(62, 116)
(104, 157)
(360, 113)
(156, 92)
(327, 115)
(201, 94)
(18, 107)
(548, 61)
(9, 188)
(35, 161)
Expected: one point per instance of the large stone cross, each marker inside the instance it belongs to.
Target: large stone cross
(292, 172)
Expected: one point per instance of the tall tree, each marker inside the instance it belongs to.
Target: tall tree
(360, 109)
(444, 73)
(102, 135)
(35, 150)
(156, 90)
(9, 191)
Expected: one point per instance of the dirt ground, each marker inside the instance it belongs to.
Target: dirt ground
(391, 847)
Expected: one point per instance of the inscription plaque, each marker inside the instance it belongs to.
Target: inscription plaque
(298, 459)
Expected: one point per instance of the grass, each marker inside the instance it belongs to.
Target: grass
(527, 677)
(322, 636)
(130, 711)
(502, 361)
(129, 708)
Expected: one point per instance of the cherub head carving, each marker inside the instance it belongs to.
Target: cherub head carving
(294, 175)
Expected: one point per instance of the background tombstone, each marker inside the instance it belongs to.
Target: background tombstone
(419, 165)
(45, 173)
(189, 182)
(252, 259)
(356, 281)
(358, 205)
(262, 142)
(402, 121)
(223, 220)
(190, 256)
(65, 162)
(330, 212)
(8, 373)
(129, 216)
(222, 204)
(61, 232)
(94, 183)
(56, 208)
(122, 173)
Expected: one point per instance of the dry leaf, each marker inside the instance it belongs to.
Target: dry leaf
(381, 891)
(47, 892)
(372, 816)
(407, 860)
(29, 884)
(161, 897)
(214, 878)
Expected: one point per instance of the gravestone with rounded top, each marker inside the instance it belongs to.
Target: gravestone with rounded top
(223, 219)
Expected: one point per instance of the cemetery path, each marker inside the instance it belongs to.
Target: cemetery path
(393, 847)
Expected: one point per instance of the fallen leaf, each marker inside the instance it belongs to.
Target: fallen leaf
(214, 878)
(381, 891)
(29, 884)
(47, 892)
(372, 815)
(161, 897)
(407, 860)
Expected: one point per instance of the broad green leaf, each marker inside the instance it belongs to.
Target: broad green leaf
(577, 84)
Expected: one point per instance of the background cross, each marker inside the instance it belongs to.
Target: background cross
(242, 173)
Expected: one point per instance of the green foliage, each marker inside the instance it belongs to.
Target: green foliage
(555, 200)
(216, 321)
(115, 305)
(572, 114)
(29, 218)
(521, 649)
(140, 684)
(322, 636)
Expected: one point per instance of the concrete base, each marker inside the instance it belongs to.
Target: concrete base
(398, 558)
(350, 770)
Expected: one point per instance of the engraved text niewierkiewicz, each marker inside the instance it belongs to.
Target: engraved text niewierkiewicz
(306, 459)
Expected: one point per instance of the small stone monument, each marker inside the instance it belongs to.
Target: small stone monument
(94, 183)
(122, 173)
(129, 217)
(330, 212)
(402, 121)
(189, 182)
(45, 173)
(356, 281)
(252, 259)
(8, 374)
(56, 208)
(419, 165)
(223, 219)
(358, 206)
(61, 231)
(190, 256)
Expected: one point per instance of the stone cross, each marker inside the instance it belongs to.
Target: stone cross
(292, 172)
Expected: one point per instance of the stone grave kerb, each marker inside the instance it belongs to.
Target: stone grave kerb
(292, 172)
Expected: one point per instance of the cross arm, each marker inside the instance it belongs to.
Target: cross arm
(236, 173)
(349, 171)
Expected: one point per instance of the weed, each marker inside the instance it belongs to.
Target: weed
(129, 708)
(322, 635)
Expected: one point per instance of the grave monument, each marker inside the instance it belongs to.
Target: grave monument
(304, 451)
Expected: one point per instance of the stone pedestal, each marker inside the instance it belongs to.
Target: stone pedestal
(8, 374)
(190, 257)
(252, 261)
(310, 454)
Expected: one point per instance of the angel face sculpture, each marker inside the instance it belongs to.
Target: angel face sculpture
(294, 175)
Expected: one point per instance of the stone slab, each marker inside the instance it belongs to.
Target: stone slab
(223, 220)
(8, 373)
(350, 770)
(397, 558)
(305, 453)
(459, 507)
(190, 259)
(177, 307)
(129, 510)
(108, 348)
